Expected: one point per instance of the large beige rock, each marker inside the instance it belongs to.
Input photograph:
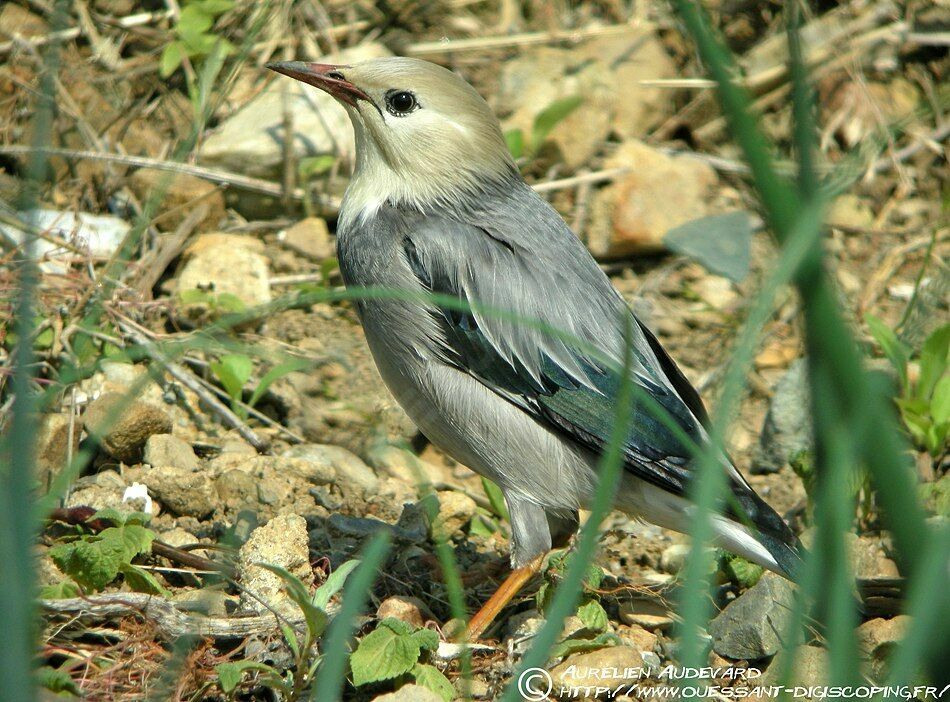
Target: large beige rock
(281, 542)
(123, 431)
(606, 73)
(660, 192)
(604, 668)
(251, 141)
(309, 237)
(221, 264)
(183, 491)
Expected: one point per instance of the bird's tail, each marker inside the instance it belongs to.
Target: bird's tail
(761, 535)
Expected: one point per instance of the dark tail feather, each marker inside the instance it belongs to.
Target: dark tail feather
(771, 531)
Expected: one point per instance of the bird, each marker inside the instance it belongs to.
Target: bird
(437, 209)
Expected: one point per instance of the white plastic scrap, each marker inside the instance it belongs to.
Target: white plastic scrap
(138, 491)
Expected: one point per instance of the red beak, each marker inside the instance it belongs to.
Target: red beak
(327, 77)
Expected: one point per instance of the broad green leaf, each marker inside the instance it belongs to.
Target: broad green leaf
(430, 677)
(274, 374)
(231, 673)
(229, 302)
(233, 371)
(383, 654)
(141, 580)
(496, 499)
(334, 583)
(514, 138)
(427, 639)
(92, 564)
(894, 349)
(192, 22)
(551, 116)
(933, 361)
(62, 590)
(483, 526)
(57, 681)
(742, 572)
(720, 243)
(593, 615)
(122, 518)
(172, 57)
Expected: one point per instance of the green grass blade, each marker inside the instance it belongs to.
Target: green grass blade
(332, 672)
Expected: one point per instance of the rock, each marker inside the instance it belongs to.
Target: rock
(777, 354)
(603, 668)
(281, 542)
(810, 668)
(183, 193)
(224, 269)
(634, 214)
(716, 291)
(347, 467)
(752, 626)
(787, 428)
(309, 237)
(455, 511)
(646, 613)
(53, 444)
(178, 537)
(877, 640)
(405, 609)
(266, 485)
(868, 558)
(18, 21)
(251, 140)
(638, 637)
(100, 235)
(673, 558)
(167, 450)
(404, 465)
(182, 491)
(100, 491)
(601, 71)
(410, 693)
(852, 212)
(127, 433)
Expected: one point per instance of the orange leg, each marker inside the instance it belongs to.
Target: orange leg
(497, 602)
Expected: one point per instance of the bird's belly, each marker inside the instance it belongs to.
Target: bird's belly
(484, 431)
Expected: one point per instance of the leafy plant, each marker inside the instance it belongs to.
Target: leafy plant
(740, 571)
(589, 610)
(234, 371)
(393, 650)
(195, 39)
(95, 560)
(527, 146)
(313, 607)
(925, 403)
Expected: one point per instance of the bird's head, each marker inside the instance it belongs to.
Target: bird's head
(424, 137)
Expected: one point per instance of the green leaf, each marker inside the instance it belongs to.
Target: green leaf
(593, 615)
(427, 639)
(933, 361)
(194, 296)
(233, 371)
(274, 374)
(496, 499)
(894, 349)
(514, 138)
(57, 681)
(483, 526)
(940, 401)
(720, 243)
(229, 302)
(173, 55)
(316, 618)
(231, 673)
(213, 7)
(312, 166)
(62, 590)
(334, 583)
(118, 518)
(140, 580)
(95, 561)
(742, 572)
(385, 653)
(578, 645)
(551, 116)
(430, 677)
(193, 21)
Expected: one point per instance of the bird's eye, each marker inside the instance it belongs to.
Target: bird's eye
(401, 102)
(335, 75)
